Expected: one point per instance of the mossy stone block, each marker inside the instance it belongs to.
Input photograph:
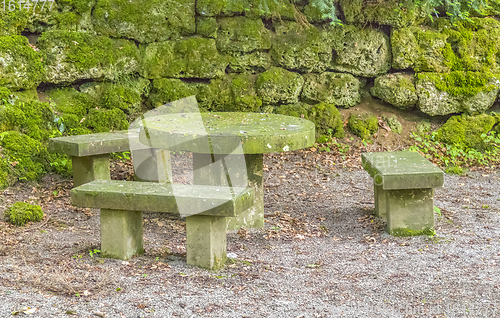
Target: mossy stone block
(207, 27)
(33, 118)
(70, 56)
(191, 58)
(363, 125)
(240, 34)
(456, 92)
(210, 8)
(106, 120)
(145, 21)
(331, 88)
(299, 48)
(397, 89)
(255, 62)
(20, 65)
(279, 86)
(327, 119)
(465, 131)
(21, 213)
(245, 96)
(165, 90)
(391, 12)
(394, 124)
(13, 22)
(295, 110)
(360, 51)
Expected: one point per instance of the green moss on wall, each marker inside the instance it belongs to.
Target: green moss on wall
(363, 125)
(21, 213)
(31, 117)
(106, 120)
(207, 27)
(21, 65)
(240, 34)
(465, 131)
(296, 110)
(327, 119)
(461, 83)
(145, 21)
(166, 90)
(279, 86)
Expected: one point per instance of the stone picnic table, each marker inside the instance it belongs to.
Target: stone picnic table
(220, 140)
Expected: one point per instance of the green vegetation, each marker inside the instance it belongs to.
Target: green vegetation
(405, 232)
(21, 213)
(394, 124)
(460, 83)
(327, 119)
(462, 142)
(363, 125)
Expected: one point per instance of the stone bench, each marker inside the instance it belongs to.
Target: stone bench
(90, 155)
(404, 185)
(122, 203)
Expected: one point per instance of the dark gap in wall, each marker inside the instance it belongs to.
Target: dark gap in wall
(195, 80)
(32, 37)
(453, 45)
(269, 24)
(385, 28)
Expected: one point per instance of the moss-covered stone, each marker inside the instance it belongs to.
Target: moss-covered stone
(21, 213)
(405, 232)
(465, 131)
(470, 45)
(70, 56)
(240, 34)
(332, 88)
(392, 12)
(71, 108)
(165, 90)
(61, 15)
(217, 95)
(279, 86)
(245, 97)
(191, 58)
(31, 117)
(363, 125)
(315, 14)
(210, 8)
(456, 92)
(253, 9)
(302, 49)
(423, 127)
(397, 89)
(327, 119)
(207, 27)
(255, 62)
(26, 157)
(20, 65)
(359, 51)
(394, 124)
(145, 21)
(295, 110)
(13, 22)
(106, 120)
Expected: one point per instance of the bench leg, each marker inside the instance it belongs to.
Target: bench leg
(206, 241)
(87, 169)
(121, 233)
(380, 201)
(410, 212)
(208, 170)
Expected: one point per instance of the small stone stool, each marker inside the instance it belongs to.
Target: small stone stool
(404, 184)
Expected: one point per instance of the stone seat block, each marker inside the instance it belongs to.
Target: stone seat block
(404, 184)
(205, 208)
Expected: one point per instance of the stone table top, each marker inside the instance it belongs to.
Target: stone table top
(224, 132)
(402, 170)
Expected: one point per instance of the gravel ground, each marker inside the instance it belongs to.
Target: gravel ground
(321, 254)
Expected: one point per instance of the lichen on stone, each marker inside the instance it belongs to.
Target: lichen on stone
(240, 34)
(20, 65)
(333, 88)
(279, 86)
(20, 213)
(165, 90)
(207, 27)
(70, 56)
(255, 62)
(295, 110)
(397, 89)
(145, 21)
(394, 124)
(189, 58)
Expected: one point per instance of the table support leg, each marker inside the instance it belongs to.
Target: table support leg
(209, 170)
(156, 165)
(410, 212)
(121, 233)
(90, 168)
(206, 241)
(380, 201)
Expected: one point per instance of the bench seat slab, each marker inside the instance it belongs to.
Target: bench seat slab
(87, 169)
(206, 241)
(410, 212)
(121, 233)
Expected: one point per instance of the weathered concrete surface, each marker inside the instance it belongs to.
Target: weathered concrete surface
(410, 212)
(206, 241)
(162, 197)
(121, 233)
(380, 200)
(90, 168)
(153, 165)
(402, 170)
(257, 133)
